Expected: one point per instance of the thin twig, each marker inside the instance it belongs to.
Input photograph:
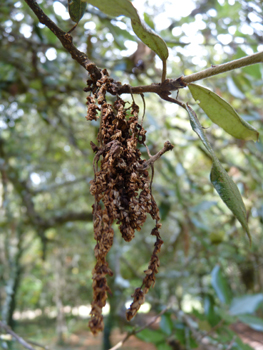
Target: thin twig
(134, 332)
(164, 70)
(173, 100)
(162, 89)
(144, 107)
(213, 329)
(38, 345)
(65, 39)
(226, 67)
(54, 186)
(22, 341)
(231, 343)
(166, 147)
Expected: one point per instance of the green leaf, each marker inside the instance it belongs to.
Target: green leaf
(220, 285)
(115, 8)
(120, 35)
(253, 70)
(164, 209)
(222, 114)
(221, 181)
(148, 20)
(233, 89)
(163, 346)
(209, 309)
(252, 321)
(166, 324)
(76, 9)
(229, 193)
(225, 315)
(247, 304)
(151, 336)
(240, 345)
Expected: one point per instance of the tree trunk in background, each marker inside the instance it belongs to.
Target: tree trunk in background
(12, 284)
(61, 326)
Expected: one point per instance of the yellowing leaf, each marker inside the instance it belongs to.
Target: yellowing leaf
(222, 114)
(76, 9)
(117, 8)
(222, 182)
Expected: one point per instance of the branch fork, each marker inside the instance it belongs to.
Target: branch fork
(166, 147)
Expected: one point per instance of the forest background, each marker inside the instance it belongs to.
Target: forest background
(210, 278)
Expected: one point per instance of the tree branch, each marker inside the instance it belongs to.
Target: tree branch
(166, 147)
(27, 196)
(162, 89)
(54, 186)
(134, 332)
(159, 88)
(226, 67)
(17, 337)
(65, 39)
(70, 216)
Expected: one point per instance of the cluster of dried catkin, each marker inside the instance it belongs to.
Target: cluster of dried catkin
(122, 191)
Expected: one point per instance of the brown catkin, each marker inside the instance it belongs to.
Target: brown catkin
(122, 191)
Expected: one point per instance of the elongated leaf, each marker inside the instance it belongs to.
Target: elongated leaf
(117, 8)
(76, 9)
(209, 308)
(166, 324)
(151, 336)
(229, 193)
(220, 179)
(253, 322)
(222, 114)
(247, 304)
(220, 285)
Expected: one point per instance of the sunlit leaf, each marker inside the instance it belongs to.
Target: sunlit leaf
(253, 70)
(220, 285)
(246, 304)
(221, 181)
(76, 9)
(222, 114)
(115, 8)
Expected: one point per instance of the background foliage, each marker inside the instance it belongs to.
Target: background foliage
(46, 238)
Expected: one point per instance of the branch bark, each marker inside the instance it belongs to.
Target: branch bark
(167, 147)
(162, 89)
(66, 40)
(169, 85)
(226, 67)
(16, 336)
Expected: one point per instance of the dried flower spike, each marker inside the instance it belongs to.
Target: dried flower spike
(121, 188)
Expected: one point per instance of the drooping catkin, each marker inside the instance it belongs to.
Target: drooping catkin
(122, 191)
